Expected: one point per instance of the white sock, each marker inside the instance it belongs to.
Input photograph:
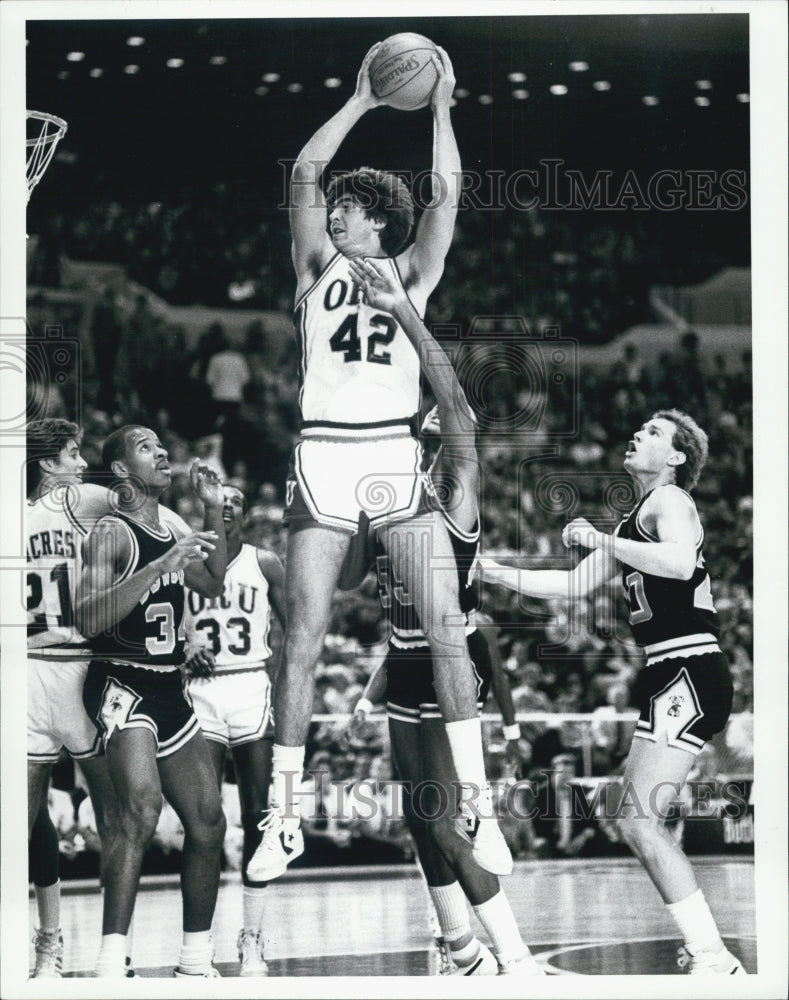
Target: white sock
(465, 742)
(451, 910)
(197, 952)
(696, 923)
(112, 955)
(467, 954)
(48, 906)
(497, 918)
(287, 766)
(253, 902)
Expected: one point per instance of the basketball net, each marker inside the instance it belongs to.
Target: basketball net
(44, 132)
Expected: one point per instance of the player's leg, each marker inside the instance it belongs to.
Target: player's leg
(38, 776)
(654, 775)
(189, 783)
(44, 857)
(314, 558)
(481, 888)
(253, 775)
(131, 763)
(462, 953)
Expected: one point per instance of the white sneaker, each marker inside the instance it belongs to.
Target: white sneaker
(526, 966)
(710, 963)
(250, 954)
(282, 843)
(484, 964)
(440, 959)
(212, 973)
(49, 955)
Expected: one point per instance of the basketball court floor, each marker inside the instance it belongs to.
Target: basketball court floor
(580, 917)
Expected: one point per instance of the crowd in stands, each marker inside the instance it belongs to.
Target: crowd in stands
(235, 404)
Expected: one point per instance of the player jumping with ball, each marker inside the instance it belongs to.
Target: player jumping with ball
(684, 692)
(358, 452)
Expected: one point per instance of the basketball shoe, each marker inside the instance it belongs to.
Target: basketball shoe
(488, 846)
(525, 966)
(483, 964)
(709, 963)
(250, 953)
(282, 843)
(49, 955)
(212, 973)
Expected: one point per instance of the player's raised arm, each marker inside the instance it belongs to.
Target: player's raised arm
(569, 585)
(437, 224)
(672, 516)
(307, 204)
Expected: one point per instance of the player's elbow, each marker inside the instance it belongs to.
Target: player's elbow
(209, 586)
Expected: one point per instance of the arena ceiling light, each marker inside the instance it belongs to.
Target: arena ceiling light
(744, 98)
(218, 60)
(702, 102)
(650, 100)
(703, 85)
(175, 63)
(131, 69)
(461, 92)
(332, 82)
(485, 99)
(270, 77)
(63, 74)
(516, 77)
(261, 91)
(295, 88)
(520, 95)
(601, 85)
(579, 66)
(135, 40)
(96, 73)
(558, 89)
(75, 56)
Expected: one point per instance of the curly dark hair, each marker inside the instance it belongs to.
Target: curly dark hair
(115, 444)
(46, 439)
(380, 194)
(690, 439)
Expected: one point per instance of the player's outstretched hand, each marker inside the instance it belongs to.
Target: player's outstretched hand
(445, 85)
(194, 547)
(206, 484)
(581, 532)
(200, 664)
(380, 289)
(364, 87)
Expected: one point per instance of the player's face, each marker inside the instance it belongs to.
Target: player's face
(651, 447)
(146, 458)
(70, 464)
(232, 508)
(350, 228)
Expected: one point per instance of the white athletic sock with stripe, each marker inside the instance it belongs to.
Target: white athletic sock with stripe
(287, 766)
(48, 906)
(696, 923)
(451, 910)
(497, 918)
(197, 953)
(465, 742)
(253, 903)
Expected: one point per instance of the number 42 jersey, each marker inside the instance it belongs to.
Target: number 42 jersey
(235, 626)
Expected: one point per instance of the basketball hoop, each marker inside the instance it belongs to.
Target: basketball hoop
(44, 132)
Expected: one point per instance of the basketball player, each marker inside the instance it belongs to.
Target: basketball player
(359, 393)
(130, 606)
(684, 692)
(60, 511)
(420, 748)
(227, 642)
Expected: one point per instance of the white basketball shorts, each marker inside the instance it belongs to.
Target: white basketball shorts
(56, 716)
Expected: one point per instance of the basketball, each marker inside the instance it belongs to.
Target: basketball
(402, 72)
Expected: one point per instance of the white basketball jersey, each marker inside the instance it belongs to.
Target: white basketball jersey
(54, 535)
(357, 366)
(234, 626)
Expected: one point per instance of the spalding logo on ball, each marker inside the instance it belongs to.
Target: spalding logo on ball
(402, 72)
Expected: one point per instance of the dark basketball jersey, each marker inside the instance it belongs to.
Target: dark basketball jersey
(661, 608)
(399, 608)
(153, 632)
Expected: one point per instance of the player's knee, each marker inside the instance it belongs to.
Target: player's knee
(209, 825)
(637, 831)
(139, 816)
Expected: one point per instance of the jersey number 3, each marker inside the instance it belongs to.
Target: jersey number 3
(346, 339)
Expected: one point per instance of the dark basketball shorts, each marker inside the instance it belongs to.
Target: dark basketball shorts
(124, 696)
(688, 698)
(410, 694)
